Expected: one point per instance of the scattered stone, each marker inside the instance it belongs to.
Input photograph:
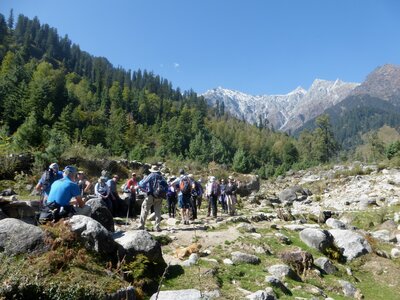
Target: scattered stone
(260, 217)
(275, 282)
(245, 227)
(325, 265)
(349, 290)
(279, 271)
(333, 223)
(256, 235)
(227, 261)
(262, 295)
(317, 238)
(239, 219)
(294, 227)
(283, 238)
(193, 258)
(395, 253)
(350, 243)
(240, 257)
(190, 294)
(212, 294)
(383, 235)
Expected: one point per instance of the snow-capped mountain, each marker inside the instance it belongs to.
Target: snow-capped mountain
(283, 112)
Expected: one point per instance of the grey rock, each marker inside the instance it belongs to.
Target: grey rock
(349, 290)
(395, 253)
(190, 294)
(240, 257)
(20, 210)
(94, 236)
(193, 258)
(383, 236)
(279, 271)
(227, 261)
(288, 196)
(325, 265)
(333, 223)
(101, 213)
(261, 295)
(283, 238)
(239, 219)
(351, 243)
(139, 242)
(126, 293)
(317, 238)
(246, 227)
(18, 237)
(294, 227)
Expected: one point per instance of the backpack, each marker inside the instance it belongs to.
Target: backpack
(160, 189)
(215, 191)
(49, 177)
(185, 185)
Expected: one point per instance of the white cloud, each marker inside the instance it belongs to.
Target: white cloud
(176, 65)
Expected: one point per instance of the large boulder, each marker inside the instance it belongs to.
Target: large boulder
(250, 184)
(317, 238)
(293, 193)
(18, 237)
(101, 213)
(20, 210)
(93, 235)
(2, 215)
(139, 242)
(350, 243)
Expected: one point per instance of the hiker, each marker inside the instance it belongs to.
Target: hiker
(171, 197)
(222, 198)
(196, 193)
(118, 204)
(184, 184)
(46, 180)
(61, 194)
(200, 192)
(212, 193)
(230, 192)
(130, 188)
(102, 191)
(156, 188)
(85, 185)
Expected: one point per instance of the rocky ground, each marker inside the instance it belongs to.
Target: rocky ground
(346, 219)
(318, 234)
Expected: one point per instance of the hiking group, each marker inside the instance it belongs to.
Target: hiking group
(63, 193)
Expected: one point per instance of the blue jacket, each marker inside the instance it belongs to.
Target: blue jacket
(149, 183)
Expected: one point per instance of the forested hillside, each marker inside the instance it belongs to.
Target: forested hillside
(57, 100)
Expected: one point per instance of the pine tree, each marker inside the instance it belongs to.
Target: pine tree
(10, 21)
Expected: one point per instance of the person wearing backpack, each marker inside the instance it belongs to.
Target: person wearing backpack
(171, 197)
(155, 186)
(63, 190)
(46, 180)
(184, 185)
(212, 192)
(230, 192)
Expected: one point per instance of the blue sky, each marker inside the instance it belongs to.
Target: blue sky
(253, 46)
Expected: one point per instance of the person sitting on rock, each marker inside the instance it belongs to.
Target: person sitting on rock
(85, 185)
(131, 187)
(46, 180)
(102, 191)
(61, 194)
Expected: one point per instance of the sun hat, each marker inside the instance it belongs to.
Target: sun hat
(230, 177)
(212, 178)
(54, 166)
(154, 169)
(70, 170)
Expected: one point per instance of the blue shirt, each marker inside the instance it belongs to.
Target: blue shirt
(58, 175)
(62, 191)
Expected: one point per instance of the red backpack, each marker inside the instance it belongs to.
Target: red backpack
(185, 185)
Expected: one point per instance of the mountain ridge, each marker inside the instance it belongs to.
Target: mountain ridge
(285, 112)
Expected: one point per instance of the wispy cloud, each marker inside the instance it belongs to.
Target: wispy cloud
(176, 65)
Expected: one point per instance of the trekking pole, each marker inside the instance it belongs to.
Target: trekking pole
(127, 213)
